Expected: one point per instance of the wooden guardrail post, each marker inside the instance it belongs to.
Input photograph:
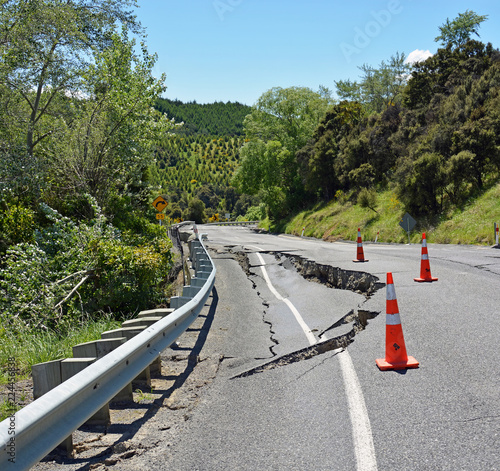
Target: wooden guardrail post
(47, 376)
(99, 348)
(72, 366)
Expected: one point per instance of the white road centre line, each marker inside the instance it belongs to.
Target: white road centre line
(310, 336)
(364, 449)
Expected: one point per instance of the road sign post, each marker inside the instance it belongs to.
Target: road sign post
(160, 204)
(407, 223)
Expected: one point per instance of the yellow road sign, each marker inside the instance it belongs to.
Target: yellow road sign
(159, 203)
(160, 216)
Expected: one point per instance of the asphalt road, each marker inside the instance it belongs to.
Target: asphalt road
(277, 404)
(443, 415)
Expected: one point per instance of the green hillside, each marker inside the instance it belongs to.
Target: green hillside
(214, 119)
(196, 163)
(340, 219)
(188, 162)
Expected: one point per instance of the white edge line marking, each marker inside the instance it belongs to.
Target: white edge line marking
(364, 449)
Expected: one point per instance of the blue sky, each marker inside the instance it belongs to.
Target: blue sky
(235, 50)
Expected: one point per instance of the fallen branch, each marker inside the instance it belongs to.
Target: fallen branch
(80, 283)
(82, 272)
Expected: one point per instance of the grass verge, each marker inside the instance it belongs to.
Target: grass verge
(31, 348)
(340, 219)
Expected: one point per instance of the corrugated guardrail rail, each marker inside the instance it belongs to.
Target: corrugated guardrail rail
(34, 431)
(232, 223)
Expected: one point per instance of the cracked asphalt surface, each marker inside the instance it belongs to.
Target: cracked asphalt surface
(208, 410)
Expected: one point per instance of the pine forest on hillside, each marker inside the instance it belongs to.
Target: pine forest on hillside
(195, 164)
(192, 161)
(214, 119)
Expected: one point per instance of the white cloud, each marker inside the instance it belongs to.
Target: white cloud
(418, 55)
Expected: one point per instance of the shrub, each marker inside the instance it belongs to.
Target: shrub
(16, 225)
(78, 270)
(254, 213)
(367, 198)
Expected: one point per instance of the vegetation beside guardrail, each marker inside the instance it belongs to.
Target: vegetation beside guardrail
(67, 406)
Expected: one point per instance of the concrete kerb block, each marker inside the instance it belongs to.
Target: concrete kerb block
(128, 333)
(47, 376)
(125, 395)
(144, 378)
(190, 291)
(85, 350)
(200, 256)
(199, 282)
(155, 366)
(98, 349)
(141, 321)
(71, 366)
(198, 262)
(203, 265)
(193, 245)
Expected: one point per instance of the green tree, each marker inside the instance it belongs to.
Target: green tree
(458, 31)
(287, 115)
(108, 146)
(479, 139)
(45, 47)
(423, 188)
(446, 70)
(195, 211)
(318, 159)
(263, 172)
(378, 87)
(459, 170)
(282, 121)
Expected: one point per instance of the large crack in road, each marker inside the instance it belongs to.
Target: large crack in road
(362, 283)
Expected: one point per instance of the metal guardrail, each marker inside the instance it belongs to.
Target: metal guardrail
(232, 223)
(34, 431)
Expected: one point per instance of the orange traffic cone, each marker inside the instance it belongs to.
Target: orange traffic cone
(425, 268)
(360, 256)
(396, 357)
